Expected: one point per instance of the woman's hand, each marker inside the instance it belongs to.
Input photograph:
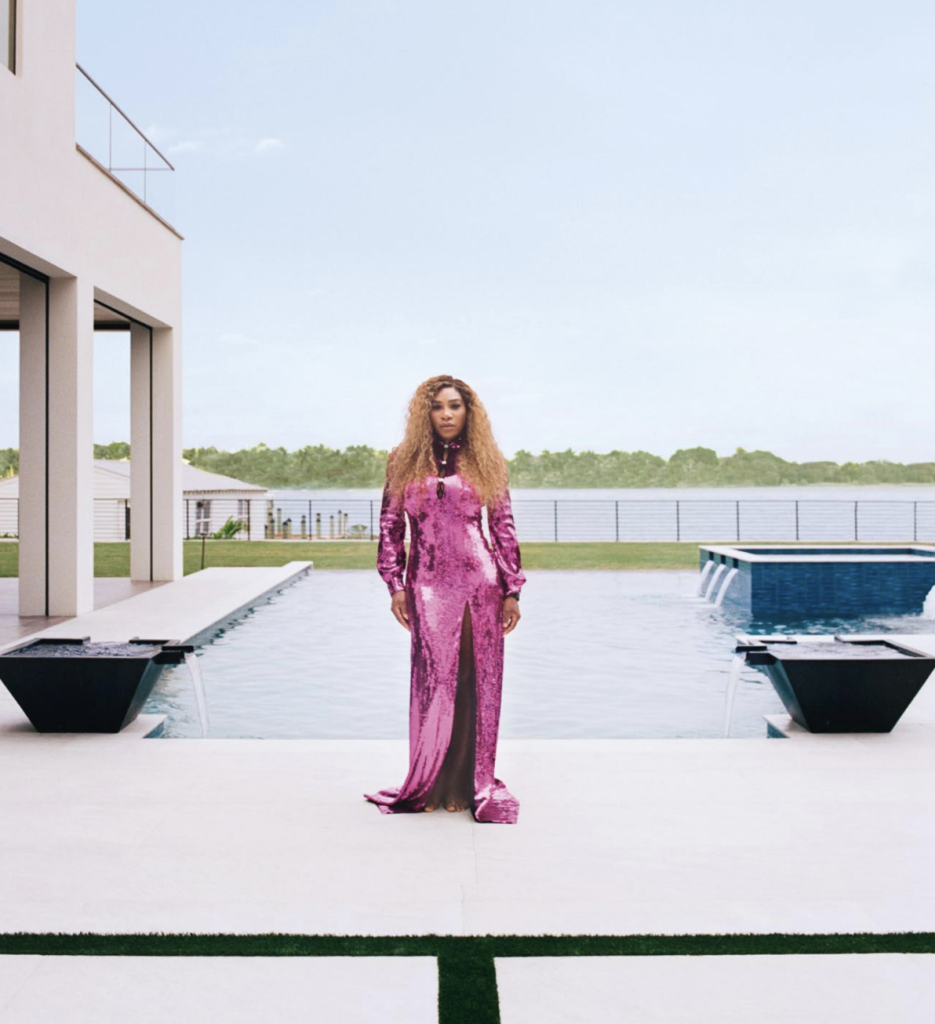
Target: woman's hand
(400, 609)
(510, 614)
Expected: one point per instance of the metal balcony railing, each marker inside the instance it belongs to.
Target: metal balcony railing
(106, 134)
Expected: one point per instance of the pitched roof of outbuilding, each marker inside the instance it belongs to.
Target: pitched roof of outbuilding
(192, 479)
(198, 480)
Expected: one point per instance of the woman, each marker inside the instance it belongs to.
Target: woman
(459, 599)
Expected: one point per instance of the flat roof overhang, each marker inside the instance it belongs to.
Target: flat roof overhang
(105, 319)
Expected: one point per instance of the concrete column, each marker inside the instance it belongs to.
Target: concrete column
(166, 454)
(32, 443)
(141, 433)
(70, 447)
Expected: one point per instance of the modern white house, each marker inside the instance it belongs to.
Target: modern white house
(208, 501)
(82, 250)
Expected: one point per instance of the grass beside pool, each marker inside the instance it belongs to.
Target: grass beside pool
(363, 555)
(114, 559)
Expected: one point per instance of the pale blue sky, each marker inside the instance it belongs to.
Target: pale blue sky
(628, 225)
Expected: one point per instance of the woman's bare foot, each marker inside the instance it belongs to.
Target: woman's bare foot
(456, 804)
(430, 807)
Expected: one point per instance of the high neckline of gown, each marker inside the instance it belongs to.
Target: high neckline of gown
(455, 443)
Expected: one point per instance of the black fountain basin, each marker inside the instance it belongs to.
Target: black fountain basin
(66, 685)
(842, 685)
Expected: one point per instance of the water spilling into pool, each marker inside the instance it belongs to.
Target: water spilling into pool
(598, 654)
(737, 666)
(194, 670)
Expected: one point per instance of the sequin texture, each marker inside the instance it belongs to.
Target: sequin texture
(451, 564)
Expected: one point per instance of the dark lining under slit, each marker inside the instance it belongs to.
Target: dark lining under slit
(456, 775)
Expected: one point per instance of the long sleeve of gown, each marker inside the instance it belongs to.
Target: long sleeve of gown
(391, 550)
(505, 545)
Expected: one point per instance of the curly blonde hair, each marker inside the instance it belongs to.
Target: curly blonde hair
(479, 458)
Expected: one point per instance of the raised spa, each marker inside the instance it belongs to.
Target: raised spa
(769, 582)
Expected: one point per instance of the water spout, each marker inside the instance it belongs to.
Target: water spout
(705, 573)
(712, 586)
(928, 609)
(736, 668)
(728, 580)
(191, 659)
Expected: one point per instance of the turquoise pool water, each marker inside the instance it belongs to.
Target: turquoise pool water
(597, 654)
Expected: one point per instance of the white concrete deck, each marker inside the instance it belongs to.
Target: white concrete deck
(13, 626)
(829, 833)
(822, 834)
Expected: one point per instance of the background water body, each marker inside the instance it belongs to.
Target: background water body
(597, 654)
(812, 492)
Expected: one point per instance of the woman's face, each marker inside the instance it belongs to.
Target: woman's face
(448, 413)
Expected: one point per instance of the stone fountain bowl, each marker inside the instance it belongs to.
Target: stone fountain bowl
(68, 685)
(842, 685)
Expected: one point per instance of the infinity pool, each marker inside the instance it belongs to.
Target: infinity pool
(598, 654)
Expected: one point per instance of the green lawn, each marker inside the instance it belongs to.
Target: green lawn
(114, 559)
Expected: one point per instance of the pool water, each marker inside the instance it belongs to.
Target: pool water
(597, 654)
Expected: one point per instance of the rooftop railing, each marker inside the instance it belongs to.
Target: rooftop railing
(105, 133)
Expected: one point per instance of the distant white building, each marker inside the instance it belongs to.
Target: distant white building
(208, 500)
(82, 248)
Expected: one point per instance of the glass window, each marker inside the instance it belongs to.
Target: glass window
(202, 517)
(8, 34)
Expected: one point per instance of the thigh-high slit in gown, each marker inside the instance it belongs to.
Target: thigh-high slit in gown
(452, 572)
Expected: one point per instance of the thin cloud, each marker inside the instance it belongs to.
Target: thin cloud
(240, 340)
(188, 146)
(270, 145)
(218, 142)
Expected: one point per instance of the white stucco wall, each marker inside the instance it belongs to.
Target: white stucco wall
(62, 215)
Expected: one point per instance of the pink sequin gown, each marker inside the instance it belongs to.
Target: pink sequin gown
(451, 564)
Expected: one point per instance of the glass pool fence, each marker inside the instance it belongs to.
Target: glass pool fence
(572, 519)
(577, 519)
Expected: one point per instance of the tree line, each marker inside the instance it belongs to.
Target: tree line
(317, 466)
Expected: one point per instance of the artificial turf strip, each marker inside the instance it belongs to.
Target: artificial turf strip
(459, 946)
(467, 988)
(467, 979)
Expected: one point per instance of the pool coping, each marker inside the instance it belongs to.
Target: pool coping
(747, 553)
(182, 610)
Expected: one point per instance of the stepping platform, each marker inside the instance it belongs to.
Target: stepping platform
(218, 990)
(834, 989)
